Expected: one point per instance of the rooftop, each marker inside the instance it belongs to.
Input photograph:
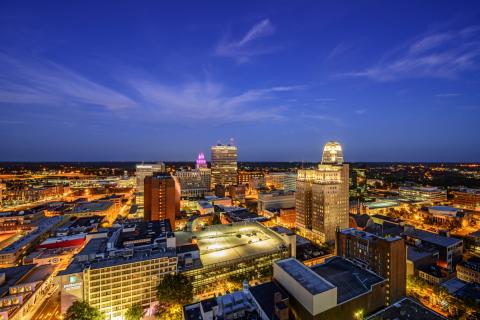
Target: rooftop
(304, 276)
(433, 238)
(368, 236)
(264, 295)
(224, 243)
(92, 206)
(406, 309)
(350, 280)
(13, 276)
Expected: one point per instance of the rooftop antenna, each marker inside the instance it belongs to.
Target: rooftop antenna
(232, 141)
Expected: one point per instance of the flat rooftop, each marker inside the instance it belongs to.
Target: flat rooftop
(223, 243)
(92, 206)
(350, 280)
(406, 309)
(367, 236)
(305, 276)
(13, 276)
(432, 237)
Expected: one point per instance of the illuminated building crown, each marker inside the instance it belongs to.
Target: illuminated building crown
(201, 162)
(332, 153)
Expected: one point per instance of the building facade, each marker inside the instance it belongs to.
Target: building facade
(162, 198)
(424, 194)
(142, 171)
(322, 197)
(384, 256)
(467, 198)
(224, 165)
(194, 183)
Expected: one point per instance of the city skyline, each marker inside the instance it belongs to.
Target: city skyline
(163, 81)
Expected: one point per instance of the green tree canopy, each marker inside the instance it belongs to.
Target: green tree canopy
(81, 310)
(135, 312)
(175, 289)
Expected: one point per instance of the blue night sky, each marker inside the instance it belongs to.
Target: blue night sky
(158, 80)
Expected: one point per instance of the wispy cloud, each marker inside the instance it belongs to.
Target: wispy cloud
(246, 47)
(33, 81)
(360, 111)
(325, 99)
(209, 101)
(439, 55)
(447, 95)
(323, 117)
(338, 50)
(36, 81)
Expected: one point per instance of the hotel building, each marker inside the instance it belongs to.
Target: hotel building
(115, 272)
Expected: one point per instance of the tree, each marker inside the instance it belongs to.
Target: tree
(216, 219)
(81, 310)
(135, 312)
(175, 289)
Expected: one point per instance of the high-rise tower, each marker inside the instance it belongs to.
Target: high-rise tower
(162, 198)
(322, 196)
(224, 165)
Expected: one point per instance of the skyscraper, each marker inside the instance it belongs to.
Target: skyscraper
(322, 196)
(224, 165)
(142, 171)
(162, 198)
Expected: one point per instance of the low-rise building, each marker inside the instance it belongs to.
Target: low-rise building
(12, 254)
(275, 200)
(450, 249)
(469, 270)
(336, 289)
(423, 194)
(467, 198)
(406, 309)
(22, 290)
(232, 250)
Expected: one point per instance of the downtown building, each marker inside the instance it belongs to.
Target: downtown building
(423, 194)
(224, 165)
(162, 198)
(467, 198)
(120, 268)
(195, 183)
(386, 256)
(141, 172)
(281, 180)
(321, 197)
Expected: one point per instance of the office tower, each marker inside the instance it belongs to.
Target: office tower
(142, 171)
(385, 256)
(201, 162)
(162, 198)
(322, 196)
(224, 165)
